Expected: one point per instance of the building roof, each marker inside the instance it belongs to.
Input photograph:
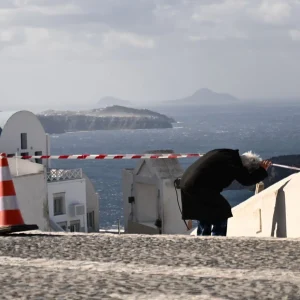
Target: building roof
(4, 116)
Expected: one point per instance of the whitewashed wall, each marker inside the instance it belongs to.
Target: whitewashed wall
(127, 180)
(31, 190)
(75, 193)
(172, 221)
(92, 201)
(274, 212)
(23, 122)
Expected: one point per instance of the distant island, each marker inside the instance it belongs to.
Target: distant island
(201, 97)
(204, 97)
(109, 118)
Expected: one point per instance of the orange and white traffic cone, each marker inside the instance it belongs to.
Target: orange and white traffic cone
(11, 219)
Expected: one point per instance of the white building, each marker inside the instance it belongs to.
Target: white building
(21, 132)
(152, 205)
(73, 204)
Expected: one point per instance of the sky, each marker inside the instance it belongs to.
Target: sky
(70, 53)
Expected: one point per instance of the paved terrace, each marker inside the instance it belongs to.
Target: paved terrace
(109, 266)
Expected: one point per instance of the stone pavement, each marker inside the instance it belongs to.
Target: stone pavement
(109, 266)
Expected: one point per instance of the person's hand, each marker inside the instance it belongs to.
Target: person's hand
(265, 164)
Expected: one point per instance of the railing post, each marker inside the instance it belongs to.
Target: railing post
(259, 187)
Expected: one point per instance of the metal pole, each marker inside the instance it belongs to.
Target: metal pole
(118, 226)
(17, 164)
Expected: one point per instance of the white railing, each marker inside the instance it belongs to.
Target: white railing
(62, 175)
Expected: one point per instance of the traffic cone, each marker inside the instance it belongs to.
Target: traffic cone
(11, 219)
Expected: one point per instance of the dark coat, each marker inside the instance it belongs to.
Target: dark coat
(202, 183)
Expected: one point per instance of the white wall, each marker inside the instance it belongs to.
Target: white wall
(172, 221)
(20, 167)
(92, 201)
(127, 190)
(31, 191)
(147, 202)
(152, 197)
(274, 212)
(23, 122)
(75, 193)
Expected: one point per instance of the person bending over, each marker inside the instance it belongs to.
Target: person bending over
(203, 181)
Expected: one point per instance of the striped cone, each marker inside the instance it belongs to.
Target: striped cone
(11, 219)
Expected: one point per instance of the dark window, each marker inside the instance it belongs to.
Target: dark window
(91, 220)
(23, 140)
(38, 160)
(10, 155)
(75, 226)
(59, 205)
(24, 154)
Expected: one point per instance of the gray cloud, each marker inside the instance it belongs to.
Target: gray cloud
(169, 47)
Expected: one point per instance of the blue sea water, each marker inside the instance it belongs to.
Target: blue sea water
(268, 130)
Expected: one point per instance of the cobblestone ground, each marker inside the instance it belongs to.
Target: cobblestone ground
(109, 266)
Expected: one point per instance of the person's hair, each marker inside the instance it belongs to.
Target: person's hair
(251, 160)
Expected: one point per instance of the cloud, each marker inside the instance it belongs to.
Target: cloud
(144, 24)
(11, 36)
(218, 12)
(274, 11)
(295, 34)
(149, 48)
(115, 39)
(82, 28)
(6, 35)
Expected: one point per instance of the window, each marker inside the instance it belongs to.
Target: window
(90, 216)
(75, 226)
(10, 155)
(23, 140)
(38, 160)
(63, 225)
(59, 205)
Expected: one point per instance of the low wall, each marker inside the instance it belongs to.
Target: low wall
(274, 212)
(31, 192)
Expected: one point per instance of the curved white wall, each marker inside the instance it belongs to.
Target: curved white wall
(23, 122)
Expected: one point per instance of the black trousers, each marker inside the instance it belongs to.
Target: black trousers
(215, 229)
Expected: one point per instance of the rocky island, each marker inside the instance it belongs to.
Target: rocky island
(108, 118)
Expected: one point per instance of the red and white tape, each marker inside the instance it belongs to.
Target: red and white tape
(127, 156)
(113, 156)
(286, 167)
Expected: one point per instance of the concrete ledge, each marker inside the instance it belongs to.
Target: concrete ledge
(274, 212)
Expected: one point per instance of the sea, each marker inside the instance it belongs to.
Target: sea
(268, 129)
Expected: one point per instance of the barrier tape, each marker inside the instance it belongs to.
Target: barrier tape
(286, 167)
(113, 156)
(128, 156)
